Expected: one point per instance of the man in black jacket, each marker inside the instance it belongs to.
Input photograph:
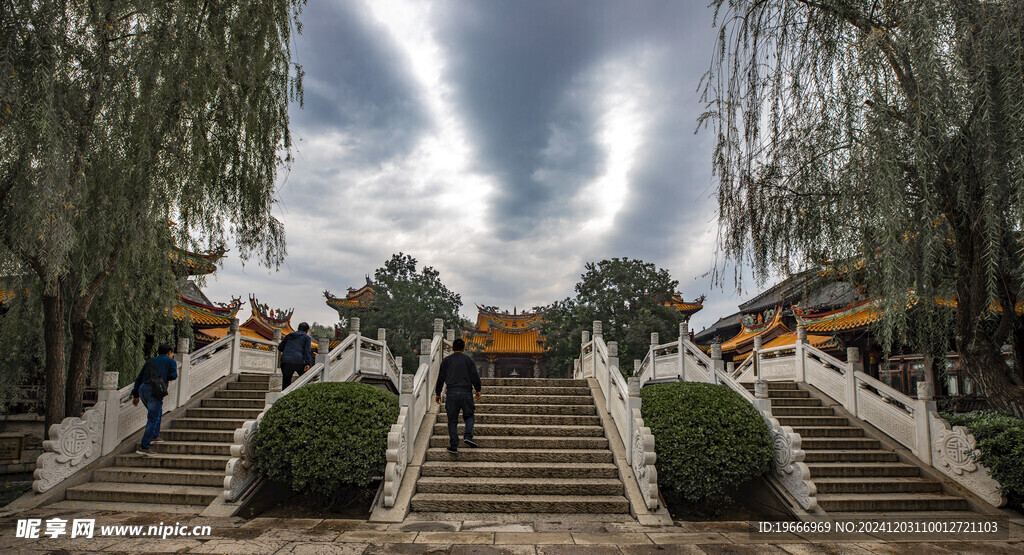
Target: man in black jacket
(296, 354)
(459, 373)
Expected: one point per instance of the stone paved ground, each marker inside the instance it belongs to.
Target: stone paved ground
(463, 536)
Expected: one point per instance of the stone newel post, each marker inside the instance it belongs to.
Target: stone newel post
(111, 412)
(684, 336)
(633, 389)
(756, 353)
(716, 361)
(382, 335)
(236, 347)
(451, 335)
(853, 365)
(800, 353)
(184, 360)
(923, 405)
(323, 353)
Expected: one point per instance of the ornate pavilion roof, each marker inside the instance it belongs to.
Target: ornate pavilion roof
(197, 264)
(501, 332)
(822, 342)
(265, 320)
(768, 325)
(855, 316)
(205, 315)
(355, 297)
(688, 308)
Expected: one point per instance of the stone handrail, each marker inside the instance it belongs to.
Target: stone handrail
(76, 442)
(414, 404)
(622, 402)
(240, 471)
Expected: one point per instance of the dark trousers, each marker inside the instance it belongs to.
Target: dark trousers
(454, 402)
(154, 412)
(289, 368)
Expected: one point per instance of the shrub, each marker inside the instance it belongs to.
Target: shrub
(1001, 446)
(327, 437)
(709, 440)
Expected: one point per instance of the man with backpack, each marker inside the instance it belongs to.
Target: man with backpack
(151, 387)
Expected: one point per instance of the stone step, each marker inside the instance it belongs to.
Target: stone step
(121, 507)
(207, 423)
(223, 412)
(534, 390)
(890, 502)
(847, 470)
(216, 436)
(151, 475)
(812, 420)
(526, 442)
(532, 382)
(525, 430)
(828, 431)
(261, 378)
(457, 502)
(165, 460)
(482, 454)
(191, 448)
(802, 411)
(249, 386)
(538, 399)
(240, 394)
(461, 469)
(795, 402)
(809, 443)
(849, 455)
(144, 493)
(529, 419)
(876, 485)
(580, 410)
(788, 394)
(773, 385)
(233, 403)
(520, 486)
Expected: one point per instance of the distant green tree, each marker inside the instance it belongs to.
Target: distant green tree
(888, 132)
(406, 302)
(629, 296)
(117, 116)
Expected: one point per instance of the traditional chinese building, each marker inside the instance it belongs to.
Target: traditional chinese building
(507, 345)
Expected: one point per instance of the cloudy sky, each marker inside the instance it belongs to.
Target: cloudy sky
(505, 143)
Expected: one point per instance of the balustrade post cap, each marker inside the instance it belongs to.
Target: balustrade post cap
(276, 382)
(655, 338)
(598, 326)
(109, 381)
(757, 342)
(277, 334)
(382, 334)
(924, 391)
(636, 365)
(398, 363)
(424, 346)
(324, 343)
(716, 351)
(234, 325)
(852, 354)
(633, 386)
(684, 328)
(613, 348)
(438, 326)
(760, 389)
(586, 336)
(450, 334)
(407, 383)
(183, 344)
(353, 325)
(730, 366)
(801, 333)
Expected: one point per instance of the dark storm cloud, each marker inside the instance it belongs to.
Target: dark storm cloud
(356, 83)
(515, 65)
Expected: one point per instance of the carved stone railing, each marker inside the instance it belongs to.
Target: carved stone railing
(622, 402)
(414, 404)
(76, 442)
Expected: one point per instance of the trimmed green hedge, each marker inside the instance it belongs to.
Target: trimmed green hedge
(1001, 444)
(709, 440)
(326, 437)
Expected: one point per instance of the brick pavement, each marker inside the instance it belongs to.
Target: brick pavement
(471, 535)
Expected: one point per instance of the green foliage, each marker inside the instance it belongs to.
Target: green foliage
(1001, 444)
(406, 302)
(709, 439)
(21, 341)
(890, 133)
(325, 437)
(628, 296)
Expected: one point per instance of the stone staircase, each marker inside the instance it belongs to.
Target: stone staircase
(186, 471)
(851, 472)
(542, 450)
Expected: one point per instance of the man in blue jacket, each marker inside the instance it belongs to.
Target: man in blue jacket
(167, 369)
(296, 354)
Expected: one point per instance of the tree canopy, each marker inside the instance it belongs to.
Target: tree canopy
(628, 296)
(130, 126)
(890, 134)
(405, 303)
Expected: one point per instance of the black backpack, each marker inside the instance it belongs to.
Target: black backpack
(157, 387)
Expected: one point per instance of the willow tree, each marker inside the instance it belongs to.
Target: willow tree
(889, 133)
(118, 117)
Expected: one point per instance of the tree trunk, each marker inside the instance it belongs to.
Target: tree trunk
(82, 334)
(985, 365)
(54, 337)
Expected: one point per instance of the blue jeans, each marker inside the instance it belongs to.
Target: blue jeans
(154, 410)
(454, 402)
